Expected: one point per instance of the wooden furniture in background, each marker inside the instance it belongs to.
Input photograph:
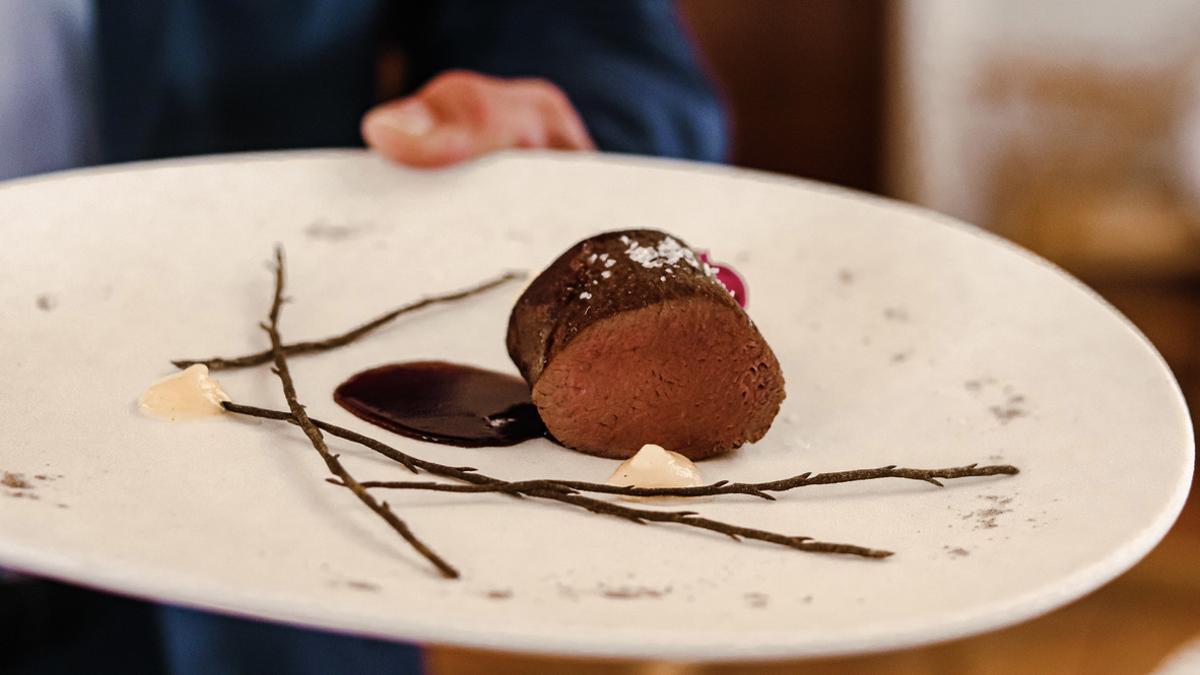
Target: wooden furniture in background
(803, 81)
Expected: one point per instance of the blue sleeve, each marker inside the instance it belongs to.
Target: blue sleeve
(626, 65)
(200, 643)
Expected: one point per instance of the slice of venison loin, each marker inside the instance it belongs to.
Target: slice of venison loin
(628, 339)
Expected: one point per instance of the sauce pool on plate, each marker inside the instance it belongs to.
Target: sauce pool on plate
(444, 403)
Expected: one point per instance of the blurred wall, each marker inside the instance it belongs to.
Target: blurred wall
(1070, 127)
(804, 82)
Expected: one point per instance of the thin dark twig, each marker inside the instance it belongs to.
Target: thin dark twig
(735, 532)
(386, 450)
(515, 487)
(712, 489)
(721, 487)
(557, 493)
(259, 358)
(891, 471)
(318, 441)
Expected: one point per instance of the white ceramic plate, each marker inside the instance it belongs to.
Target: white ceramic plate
(905, 338)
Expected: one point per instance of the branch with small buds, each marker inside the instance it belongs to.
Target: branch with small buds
(266, 356)
(760, 490)
(300, 416)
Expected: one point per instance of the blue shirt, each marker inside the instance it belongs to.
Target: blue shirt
(86, 83)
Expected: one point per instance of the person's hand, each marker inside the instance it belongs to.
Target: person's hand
(460, 115)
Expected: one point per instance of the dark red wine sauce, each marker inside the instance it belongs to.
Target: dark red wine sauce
(443, 403)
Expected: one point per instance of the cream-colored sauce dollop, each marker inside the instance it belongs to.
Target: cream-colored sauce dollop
(655, 466)
(186, 395)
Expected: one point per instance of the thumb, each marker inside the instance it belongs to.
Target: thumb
(409, 131)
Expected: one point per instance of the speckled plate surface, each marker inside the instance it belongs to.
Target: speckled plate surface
(905, 337)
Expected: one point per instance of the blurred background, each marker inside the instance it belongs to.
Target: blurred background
(1069, 126)
(1072, 128)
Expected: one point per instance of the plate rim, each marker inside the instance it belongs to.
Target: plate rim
(987, 617)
